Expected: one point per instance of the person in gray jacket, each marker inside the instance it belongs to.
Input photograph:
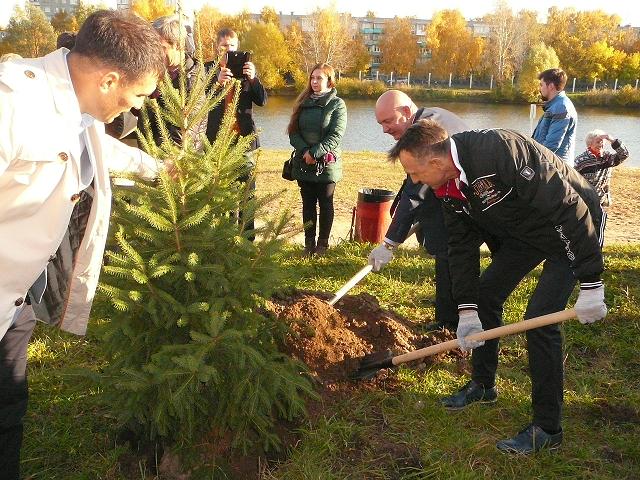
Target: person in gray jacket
(415, 203)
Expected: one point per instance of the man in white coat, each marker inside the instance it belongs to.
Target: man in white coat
(55, 195)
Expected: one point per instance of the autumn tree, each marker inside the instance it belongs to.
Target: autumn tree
(269, 15)
(270, 53)
(64, 22)
(600, 60)
(152, 9)
(453, 47)
(328, 39)
(207, 21)
(83, 10)
(540, 57)
(399, 46)
(574, 35)
(627, 40)
(630, 68)
(509, 39)
(29, 33)
(360, 56)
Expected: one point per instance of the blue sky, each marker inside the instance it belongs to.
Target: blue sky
(628, 11)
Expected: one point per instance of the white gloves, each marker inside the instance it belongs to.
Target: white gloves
(590, 305)
(468, 323)
(380, 256)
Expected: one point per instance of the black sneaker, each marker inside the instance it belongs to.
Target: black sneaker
(530, 440)
(471, 392)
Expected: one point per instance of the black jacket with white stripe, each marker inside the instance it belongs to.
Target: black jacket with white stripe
(518, 188)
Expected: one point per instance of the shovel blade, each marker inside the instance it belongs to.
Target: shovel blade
(371, 364)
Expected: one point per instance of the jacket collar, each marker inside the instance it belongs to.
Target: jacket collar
(322, 101)
(64, 96)
(548, 103)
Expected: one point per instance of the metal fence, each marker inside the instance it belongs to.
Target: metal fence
(487, 83)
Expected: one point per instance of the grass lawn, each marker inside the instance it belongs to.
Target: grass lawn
(399, 432)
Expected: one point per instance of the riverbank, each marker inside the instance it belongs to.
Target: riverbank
(622, 98)
(370, 169)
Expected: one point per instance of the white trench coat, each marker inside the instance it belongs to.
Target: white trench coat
(39, 186)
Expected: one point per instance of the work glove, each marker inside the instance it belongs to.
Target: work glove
(380, 256)
(468, 323)
(590, 306)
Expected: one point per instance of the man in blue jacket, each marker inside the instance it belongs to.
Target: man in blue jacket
(556, 129)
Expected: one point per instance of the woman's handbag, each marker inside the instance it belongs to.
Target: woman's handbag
(287, 167)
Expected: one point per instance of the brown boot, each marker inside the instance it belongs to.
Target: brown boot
(322, 247)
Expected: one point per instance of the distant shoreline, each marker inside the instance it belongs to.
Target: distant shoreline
(616, 100)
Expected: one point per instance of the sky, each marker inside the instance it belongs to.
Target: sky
(628, 11)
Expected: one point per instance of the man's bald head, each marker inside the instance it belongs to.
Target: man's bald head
(395, 112)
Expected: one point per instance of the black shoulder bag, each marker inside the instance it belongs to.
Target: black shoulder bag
(287, 167)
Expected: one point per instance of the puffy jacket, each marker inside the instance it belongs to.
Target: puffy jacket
(321, 125)
(518, 189)
(556, 129)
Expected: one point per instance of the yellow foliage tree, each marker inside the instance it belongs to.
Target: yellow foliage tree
(29, 33)
(152, 9)
(207, 21)
(453, 47)
(269, 15)
(64, 22)
(399, 46)
(328, 39)
(270, 53)
(510, 38)
(539, 58)
(575, 36)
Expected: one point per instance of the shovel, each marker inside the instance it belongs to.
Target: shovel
(372, 363)
(363, 272)
(351, 283)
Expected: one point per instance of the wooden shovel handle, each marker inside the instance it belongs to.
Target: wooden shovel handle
(498, 332)
(351, 283)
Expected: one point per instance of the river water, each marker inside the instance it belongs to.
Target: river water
(363, 133)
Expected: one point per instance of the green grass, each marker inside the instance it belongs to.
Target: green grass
(391, 433)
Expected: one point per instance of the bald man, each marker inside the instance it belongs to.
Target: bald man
(416, 203)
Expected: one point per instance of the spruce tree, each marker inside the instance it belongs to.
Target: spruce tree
(190, 348)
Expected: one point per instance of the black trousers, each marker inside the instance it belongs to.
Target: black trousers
(446, 306)
(14, 393)
(508, 267)
(314, 195)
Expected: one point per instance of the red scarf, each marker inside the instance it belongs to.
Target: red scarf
(451, 189)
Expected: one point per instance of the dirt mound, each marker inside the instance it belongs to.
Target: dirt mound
(331, 340)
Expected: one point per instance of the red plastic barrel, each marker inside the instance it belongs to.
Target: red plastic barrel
(372, 214)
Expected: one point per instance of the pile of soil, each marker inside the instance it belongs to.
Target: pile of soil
(331, 340)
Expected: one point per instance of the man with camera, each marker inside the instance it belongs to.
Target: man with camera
(235, 64)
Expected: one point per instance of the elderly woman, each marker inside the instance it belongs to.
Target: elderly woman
(596, 164)
(315, 131)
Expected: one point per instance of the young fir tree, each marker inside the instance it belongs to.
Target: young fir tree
(190, 350)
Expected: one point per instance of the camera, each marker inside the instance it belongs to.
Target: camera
(235, 61)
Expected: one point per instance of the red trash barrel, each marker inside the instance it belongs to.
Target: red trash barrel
(372, 214)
